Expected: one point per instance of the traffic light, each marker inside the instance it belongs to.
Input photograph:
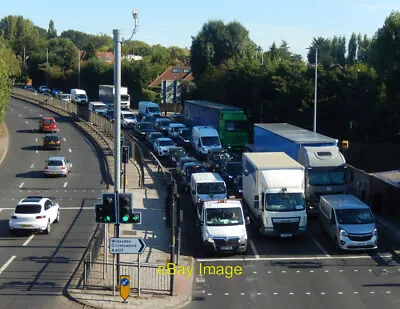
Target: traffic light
(125, 154)
(126, 214)
(105, 212)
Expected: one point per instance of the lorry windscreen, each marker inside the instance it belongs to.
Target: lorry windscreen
(284, 202)
(81, 96)
(237, 125)
(326, 178)
(210, 141)
(224, 216)
(211, 188)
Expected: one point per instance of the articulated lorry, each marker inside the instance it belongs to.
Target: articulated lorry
(107, 93)
(273, 189)
(230, 122)
(326, 171)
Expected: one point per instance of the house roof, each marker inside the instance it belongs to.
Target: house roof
(175, 72)
(106, 56)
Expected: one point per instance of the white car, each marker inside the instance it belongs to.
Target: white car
(162, 145)
(56, 166)
(34, 213)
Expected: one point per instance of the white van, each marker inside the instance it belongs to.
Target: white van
(206, 187)
(146, 108)
(223, 227)
(174, 129)
(205, 138)
(97, 107)
(348, 222)
(128, 119)
(79, 96)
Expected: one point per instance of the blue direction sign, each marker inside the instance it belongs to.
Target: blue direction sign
(124, 286)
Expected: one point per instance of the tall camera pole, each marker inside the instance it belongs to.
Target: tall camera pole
(117, 122)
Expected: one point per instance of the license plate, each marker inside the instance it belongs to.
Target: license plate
(357, 243)
(286, 235)
(51, 143)
(226, 248)
(26, 226)
(53, 172)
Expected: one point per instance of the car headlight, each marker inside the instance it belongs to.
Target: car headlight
(343, 233)
(208, 237)
(243, 237)
(375, 232)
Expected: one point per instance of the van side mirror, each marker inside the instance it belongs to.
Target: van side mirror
(247, 221)
(245, 172)
(332, 221)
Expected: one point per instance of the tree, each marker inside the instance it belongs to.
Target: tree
(352, 49)
(324, 47)
(51, 32)
(80, 39)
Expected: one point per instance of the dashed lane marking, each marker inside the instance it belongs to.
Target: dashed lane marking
(37, 151)
(28, 240)
(36, 139)
(21, 185)
(10, 260)
(32, 165)
(69, 149)
(61, 208)
(253, 247)
(64, 139)
(65, 184)
(26, 122)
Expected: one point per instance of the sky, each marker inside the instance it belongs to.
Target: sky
(173, 23)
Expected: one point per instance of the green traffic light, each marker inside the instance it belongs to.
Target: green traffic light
(108, 218)
(135, 218)
(125, 218)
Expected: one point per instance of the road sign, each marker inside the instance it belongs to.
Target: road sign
(127, 245)
(124, 286)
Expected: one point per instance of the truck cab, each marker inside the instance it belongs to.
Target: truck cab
(223, 226)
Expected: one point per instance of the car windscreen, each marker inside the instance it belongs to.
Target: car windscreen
(156, 135)
(48, 121)
(51, 138)
(130, 116)
(166, 143)
(354, 216)
(55, 163)
(153, 109)
(28, 209)
(65, 96)
(224, 216)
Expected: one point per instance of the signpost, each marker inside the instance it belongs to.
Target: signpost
(127, 245)
(124, 286)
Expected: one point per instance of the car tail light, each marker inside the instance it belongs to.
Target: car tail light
(40, 217)
(58, 142)
(46, 168)
(14, 217)
(63, 167)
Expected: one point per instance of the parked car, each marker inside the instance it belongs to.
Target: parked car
(216, 157)
(175, 153)
(152, 136)
(48, 124)
(34, 214)
(162, 145)
(181, 163)
(57, 166)
(52, 141)
(142, 129)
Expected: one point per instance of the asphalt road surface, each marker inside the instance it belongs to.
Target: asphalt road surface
(35, 268)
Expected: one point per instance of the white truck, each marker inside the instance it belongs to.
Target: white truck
(223, 226)
(107, 92)
(273, 189)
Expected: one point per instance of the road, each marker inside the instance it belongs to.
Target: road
(35, 268)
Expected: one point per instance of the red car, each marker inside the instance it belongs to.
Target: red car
(47, 124)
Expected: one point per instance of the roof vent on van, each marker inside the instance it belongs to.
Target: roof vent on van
(324, 154)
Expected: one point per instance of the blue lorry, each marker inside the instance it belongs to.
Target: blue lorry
(325, 166)
(230, 122)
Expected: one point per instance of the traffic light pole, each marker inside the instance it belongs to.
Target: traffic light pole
(117, 130)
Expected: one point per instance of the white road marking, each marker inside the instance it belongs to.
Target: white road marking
(308, 293)
(65, 184)
(12, 110)
(35, 139)
(387, 292)
(300, 258)
(20, 116)
(355, 292)
(275, 293)
(291, 293)
(32, 165)
(21, 185)
(372, 292)
(226, 294)
(242, 293)
(28, 240)
(320, 247)
(64, 139)
(3, 268)
(40, 115)
(209, 294)
(340, 293)
(69, 149)
(311, 271)
(253, 247)
(322, 293)
(26, 122)
(355, 270)
(341, 270)
(37, 151)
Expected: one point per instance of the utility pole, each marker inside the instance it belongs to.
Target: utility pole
(79, 69)
(262, 56)
(24, 56)
(315, 91)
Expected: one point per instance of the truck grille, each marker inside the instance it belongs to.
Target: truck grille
(226, 241)
(285, 225)
(360, 237)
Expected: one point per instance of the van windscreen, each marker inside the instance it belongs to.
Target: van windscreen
(354, 216)
(211, 188)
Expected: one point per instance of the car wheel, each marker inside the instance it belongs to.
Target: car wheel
(57, 220)
(65, 175)
(48, 228)
(59, 148)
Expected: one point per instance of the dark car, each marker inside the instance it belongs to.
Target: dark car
(181, 163)
(184, 138)
(150, 119)
(188, 170)
(175, 153)
(152, 136)
(109, 115)
(178, 118)
(216, 157)
(141, 129)
(52, 141)
(230, 170)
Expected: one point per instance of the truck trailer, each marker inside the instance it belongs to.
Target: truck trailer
(273, 189)
(230, 122)
(106, 95)
(326, 171)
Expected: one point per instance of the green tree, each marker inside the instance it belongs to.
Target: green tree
(80, 39)
(352, 49)
(324, 47)
(51, 32)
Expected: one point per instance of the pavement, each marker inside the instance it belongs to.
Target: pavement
(3, 141)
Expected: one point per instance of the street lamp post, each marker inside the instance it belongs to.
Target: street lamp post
(118, 41)
(315, 91)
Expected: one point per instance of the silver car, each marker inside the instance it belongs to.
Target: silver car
(57, 166)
